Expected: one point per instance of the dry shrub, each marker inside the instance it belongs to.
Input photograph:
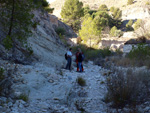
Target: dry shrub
(127, 62)
(81, 81)
(128, 88)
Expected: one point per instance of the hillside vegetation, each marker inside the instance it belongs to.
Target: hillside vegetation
(94, 4)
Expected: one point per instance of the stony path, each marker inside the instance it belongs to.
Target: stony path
(56, 91)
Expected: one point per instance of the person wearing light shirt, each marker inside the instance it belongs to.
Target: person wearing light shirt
(69, 59)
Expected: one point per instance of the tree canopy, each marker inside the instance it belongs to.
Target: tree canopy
(71, 12)
(16, 21)
(87, 31)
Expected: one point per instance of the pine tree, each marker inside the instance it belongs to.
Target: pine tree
(87, 31)
(16, 21)
(100, 20)
(71, 12)
(117, 13)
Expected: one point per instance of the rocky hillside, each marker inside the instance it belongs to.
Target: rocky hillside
(45, 42)
(94, 4)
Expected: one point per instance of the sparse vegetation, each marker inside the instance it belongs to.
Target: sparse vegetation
(103, 7)
(115, 32)
(93, 54)
(129, 25)
(81, 81)
(140, 52)
(137, 24)
(60, 31)
(112, 9)
(130, 2)
(127, 88)
(24, 97)
(63, 40)
(137, 57)
(116, 13)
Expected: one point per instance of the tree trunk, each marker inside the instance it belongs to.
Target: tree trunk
(12, 18)
(10, 29)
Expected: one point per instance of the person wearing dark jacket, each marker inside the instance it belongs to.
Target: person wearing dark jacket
(80, 59)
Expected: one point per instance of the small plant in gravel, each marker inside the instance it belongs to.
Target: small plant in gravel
(102, 82)
(61, 73)
(24, 97)
(2, 74)
(81, 81)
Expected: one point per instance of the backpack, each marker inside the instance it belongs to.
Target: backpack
(66, 56)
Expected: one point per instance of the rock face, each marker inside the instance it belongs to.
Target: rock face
(45, 43)
(136, 13)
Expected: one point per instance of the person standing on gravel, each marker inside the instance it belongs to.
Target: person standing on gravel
(69, 59)
(80, 60)
(77, 55)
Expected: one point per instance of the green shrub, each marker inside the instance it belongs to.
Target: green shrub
(60, 31)
(45, 3)
(127, 88)
(140, 52)
(112, 9)
(63, 40)
(117, 13)
(137, 24)
(103, 7)
(48, 9)
(81, 81)
(115, 32)
(92, 54)
(24, 97)
(105, 52)
(129, 25)
(130, 2)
